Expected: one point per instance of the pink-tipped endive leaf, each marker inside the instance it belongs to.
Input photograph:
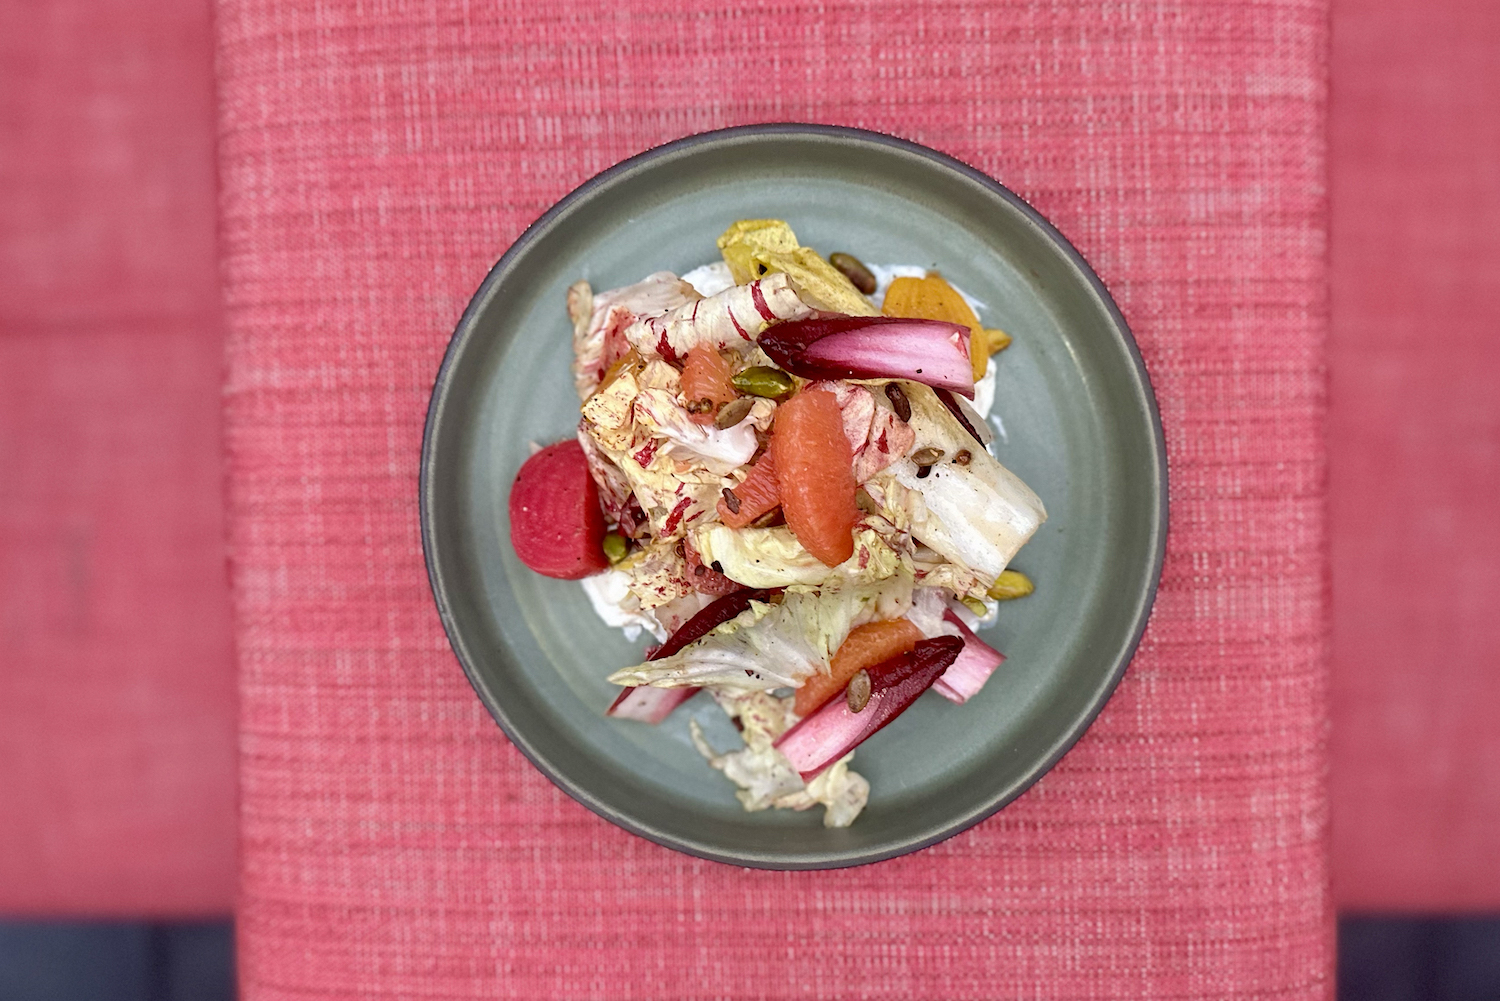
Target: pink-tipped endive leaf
(966, 415)
(652, 705)
(833, 731)
(931, 352)
(967, 675)
(648, 704)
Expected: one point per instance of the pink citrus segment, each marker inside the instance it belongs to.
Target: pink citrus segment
(815, 474)
(758, 495)
(705, 376)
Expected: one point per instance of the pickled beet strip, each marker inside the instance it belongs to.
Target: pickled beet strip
(650, 704)
(931, 352)
(833, 731)
(967, 675)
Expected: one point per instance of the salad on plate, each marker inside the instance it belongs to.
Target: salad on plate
(782, 473)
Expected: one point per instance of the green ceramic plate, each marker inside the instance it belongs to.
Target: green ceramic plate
(1081, 427)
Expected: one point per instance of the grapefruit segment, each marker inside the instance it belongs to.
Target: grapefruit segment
(758, 495)
(815, 475)
(705, 377)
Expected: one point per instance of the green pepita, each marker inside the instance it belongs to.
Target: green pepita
(1011, 584)
(762, 380)
(614, 547)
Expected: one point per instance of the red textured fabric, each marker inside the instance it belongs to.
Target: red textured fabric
(377, 159)
(117, 696)
(1414, 440)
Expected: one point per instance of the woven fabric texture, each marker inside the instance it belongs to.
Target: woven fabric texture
(377, 158)
(1414, 444)
(117, 694)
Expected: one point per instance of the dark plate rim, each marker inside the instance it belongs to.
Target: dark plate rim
(813, 859)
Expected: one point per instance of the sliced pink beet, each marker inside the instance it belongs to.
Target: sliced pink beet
(931, 352)
(967, 675)
(650, 704)
(556, 526)
(833, 731)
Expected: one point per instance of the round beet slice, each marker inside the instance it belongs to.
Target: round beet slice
(556, 526)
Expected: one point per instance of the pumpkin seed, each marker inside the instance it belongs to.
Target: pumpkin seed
(858, 692)
(899, 402)
(854, 269)
(733, 412)
(614, 547)
(770, 519)
(762, 380)
(1011, 584)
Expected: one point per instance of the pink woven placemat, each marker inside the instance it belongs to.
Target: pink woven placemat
(377, 159)
(1414, 441)
(117, 695)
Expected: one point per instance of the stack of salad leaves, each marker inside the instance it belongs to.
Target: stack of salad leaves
(779, 465)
